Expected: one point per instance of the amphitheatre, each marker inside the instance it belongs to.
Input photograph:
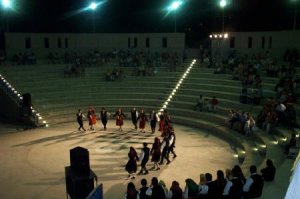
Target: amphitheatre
(35, 158)
(226, 74)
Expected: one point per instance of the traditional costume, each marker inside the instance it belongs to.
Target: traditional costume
(143, 119)
(119, 118)
(103, 116)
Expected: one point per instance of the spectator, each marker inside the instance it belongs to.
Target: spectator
(269, 172)
(191, 189)
(200, 104)
(131, 193)
(157, 191)
(202, 188)
(254, 184)
(292, 143)
(143, 189)
(218, 185)
(175, 191)
(211, 188)
(213, 104)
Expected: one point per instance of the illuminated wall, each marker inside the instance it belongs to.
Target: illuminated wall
(273, 42)
(43, 43)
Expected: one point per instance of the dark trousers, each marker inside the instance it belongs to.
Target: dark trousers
(80, 122)
(134, 122)
(104, 122)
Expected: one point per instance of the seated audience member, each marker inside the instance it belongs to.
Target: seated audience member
(280, 110)
(213, 104)
(202, 188)
(131, 193)
(254, 184)
(157, 191)
(249, 124)
(237, 169)
(200, 103)
(218, 185)
(191, 189)
(269, 172)
(143, 189)
(163, 185)
(291, 144)
(175, 191)
(234, 185)
(211, 188)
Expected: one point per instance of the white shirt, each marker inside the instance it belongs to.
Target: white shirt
(248, 183)
(203, 189)
(293, 191)
(227, 188)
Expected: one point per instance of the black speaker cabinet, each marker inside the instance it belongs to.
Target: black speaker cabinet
(79, 187)
(26, 100)
(80, 161)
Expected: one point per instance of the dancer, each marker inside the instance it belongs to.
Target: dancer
(165, 121)
(153, 120)
(144, 158)
(92, 118)
(80, 116)
(119, 120)
(156, 153)
(165, 150)
(103, 116)
(172, 139)
(143, 119)
(131, 165)
(134, 117)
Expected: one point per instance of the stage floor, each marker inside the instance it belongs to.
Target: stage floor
(33, 161)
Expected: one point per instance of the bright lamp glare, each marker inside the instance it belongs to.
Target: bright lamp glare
(223, 3)
(175, 5)
(93, 6)
(6, 3)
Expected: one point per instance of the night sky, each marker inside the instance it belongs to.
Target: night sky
(195, 17)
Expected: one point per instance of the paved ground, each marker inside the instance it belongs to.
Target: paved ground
(33, 161)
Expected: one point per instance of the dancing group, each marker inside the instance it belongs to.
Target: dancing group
(136, 117)
(159, 152)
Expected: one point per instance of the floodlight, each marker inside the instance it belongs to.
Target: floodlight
(93, 6)
(175, 5)
(6, 3)
(223, 3)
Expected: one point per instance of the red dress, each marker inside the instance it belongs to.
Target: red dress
(120, 117)
(143, 119)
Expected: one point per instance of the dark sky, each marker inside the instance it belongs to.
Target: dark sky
(196, 17)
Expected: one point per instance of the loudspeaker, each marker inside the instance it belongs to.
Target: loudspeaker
(79, 187)
(80, 161)
(26, 100)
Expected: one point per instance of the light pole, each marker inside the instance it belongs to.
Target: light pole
(223, 4)
(295, 15)
(6, 4)
(93, 6)
(174, 7)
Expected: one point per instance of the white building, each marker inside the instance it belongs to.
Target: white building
(275, 43)
(44, 43)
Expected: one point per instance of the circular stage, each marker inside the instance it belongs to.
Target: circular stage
(33, 161)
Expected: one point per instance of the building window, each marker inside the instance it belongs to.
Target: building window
(66, 43)
(270, 42)
(165, 42)
(147, 42)
(129, 42)
(263, 42)
(46, 42)
(135, 42)
(28, 42)
(232, 42)
(249, 42)
(59, 43)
